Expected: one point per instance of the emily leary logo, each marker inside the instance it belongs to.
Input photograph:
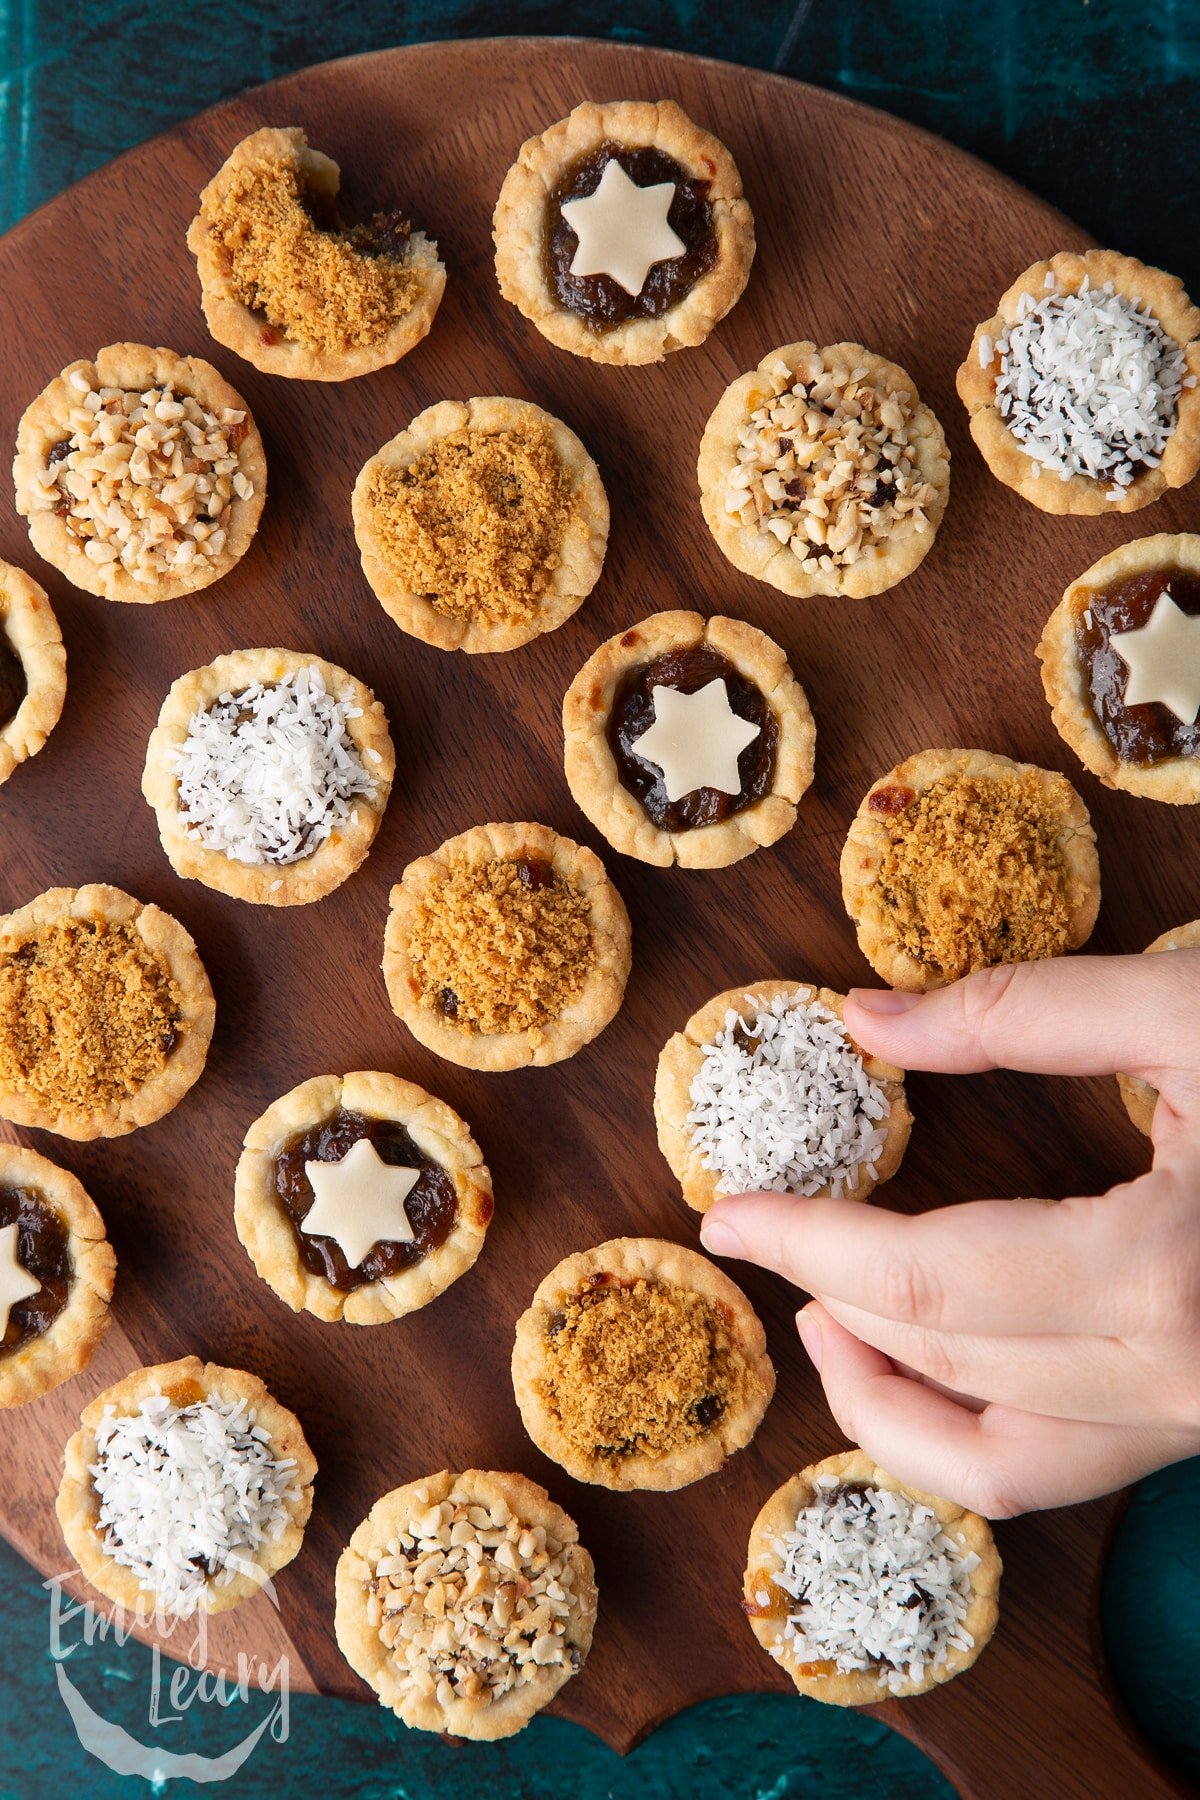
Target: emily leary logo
(175, 1688)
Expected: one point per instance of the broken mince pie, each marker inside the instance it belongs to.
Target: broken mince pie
(622, 232)
(865, 1590)
(105, 1013)
(961, 859)
(640, 1365)
(33, 668)
(269, 772)
(1121, 668)
(1081, 390)
(290, 287)
(508, 946)
(482, 525)
(688, 740)
(821, 472)
(765, 1090)
(56, 1276)
(142, 475)
(361, 1197)
(1139, 1096)
(186, 1487)
(466, 1601)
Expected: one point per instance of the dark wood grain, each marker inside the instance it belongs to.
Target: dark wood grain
(867, 230)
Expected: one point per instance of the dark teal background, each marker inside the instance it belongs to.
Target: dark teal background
(1090, 105)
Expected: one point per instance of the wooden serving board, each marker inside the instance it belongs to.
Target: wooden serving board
(869, 230)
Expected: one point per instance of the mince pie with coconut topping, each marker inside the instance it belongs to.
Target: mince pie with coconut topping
(1139, 1096)
(185, 1489)
(482, 525)
(640, 1365)
(764, 1089)
(865, 1590)
(821, 472)
(33, 668)
(688, 740)
(269, 772)
(286, 284)
(466, 1601)
(622, 232)
(1082, 389)
(361, 1197)
(142, 475)
(961, 859)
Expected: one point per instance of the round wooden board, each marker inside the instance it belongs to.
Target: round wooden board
(867, 229)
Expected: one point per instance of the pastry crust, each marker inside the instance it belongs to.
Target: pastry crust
(250, 334)
(44, 423)
(864, 1687)
(592, 770)
(521, 222)
(1163, 296)
(266, 1231)
(579, 558)
(66, 1346)
(682, 1058)
(1139, 1096)
(184, 1383)
(761, 554)
(867, 843)
(629, 1260)
(28, 624)
(581, 1020)
(483, 1717)
(1176, 779)
(267, 883)
(165, 938)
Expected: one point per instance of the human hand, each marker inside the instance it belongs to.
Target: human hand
(1068, 1335)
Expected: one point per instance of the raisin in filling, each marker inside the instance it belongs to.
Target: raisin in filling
(633, 713)
(13, 686)
(432, 1205)
(43, 1248)
(598, 298)
(1149, 733)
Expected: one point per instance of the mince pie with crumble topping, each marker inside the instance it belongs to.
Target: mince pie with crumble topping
(33, 668)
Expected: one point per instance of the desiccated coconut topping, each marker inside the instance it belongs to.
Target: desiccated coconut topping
(877, 1582)
(782, 1102)
(189, 1494)
(1088, 383)
(266, 775)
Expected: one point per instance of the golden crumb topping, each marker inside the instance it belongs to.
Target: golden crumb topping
(475, 525)
(87, 1014)
(327, 289)
(975, 874)
(501, 946)
(643, 1368)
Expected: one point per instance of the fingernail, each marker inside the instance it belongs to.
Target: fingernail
(721, 1239)
(810, 1337)
(883, 1000)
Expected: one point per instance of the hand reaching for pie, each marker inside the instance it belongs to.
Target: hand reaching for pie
(1008, 1354)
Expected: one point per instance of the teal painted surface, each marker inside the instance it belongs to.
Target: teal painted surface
(1091, 106)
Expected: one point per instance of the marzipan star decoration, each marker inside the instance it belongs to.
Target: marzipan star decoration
(1163, 659)
(359, 1202)
(696, 739)
(16, 1283)
(622, 229)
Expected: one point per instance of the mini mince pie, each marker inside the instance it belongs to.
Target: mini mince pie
(361, 1197)
(865, 1590)
(961, 859)
(482, 525)
(1121, 668)
(186, 1487)
(622, 232)
(822, 472)
(33, 668)
(640, 1365)
(688, 740)
(1139, 1096)
(466, 1601)
(765, 1090)
(56, 1276)
(105, 1013)
(1082, 389)
(289, 286)
(142, 474)
(269, 772)
(508, 946)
